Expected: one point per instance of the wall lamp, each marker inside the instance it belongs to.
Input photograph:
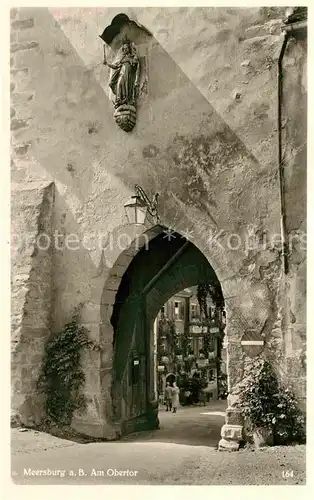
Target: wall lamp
(140, 205)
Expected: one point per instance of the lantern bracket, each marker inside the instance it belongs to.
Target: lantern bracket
(152, 205)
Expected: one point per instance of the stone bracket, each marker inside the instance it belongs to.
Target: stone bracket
(231, 436)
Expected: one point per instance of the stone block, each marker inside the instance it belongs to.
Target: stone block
(22, 25)
(92, 381)
(296, 366)
(108, 297)
(225, 445)
(95, 428)
(232, 399)
(106, 331)
(20, 77)
(15, 419)
(112, 284)
(16, 319)
(298, 386)
(32, 411)
(18, 293)
(106, 314)
(35, 333)
(107, 356)
(22, 98)
(118, 271)
(18, 124)
(90, 313)
(233, 417)
(233, 432)
(37, 318)
(15, 47)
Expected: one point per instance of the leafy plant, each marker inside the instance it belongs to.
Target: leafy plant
(167, 330)
(265, 403)
(214, 291)
(62, 376)
(222, 384)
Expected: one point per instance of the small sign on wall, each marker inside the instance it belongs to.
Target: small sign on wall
(198, 329)
(202, 363)
(252, 344)
(135, 370)
(214, 329)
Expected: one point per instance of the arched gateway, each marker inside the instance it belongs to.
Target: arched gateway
(143, 278)
(155, 274)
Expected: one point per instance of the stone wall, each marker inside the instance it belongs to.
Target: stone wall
(31, 310)
(205, 139)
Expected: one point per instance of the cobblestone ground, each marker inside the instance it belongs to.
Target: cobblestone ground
(182, 452)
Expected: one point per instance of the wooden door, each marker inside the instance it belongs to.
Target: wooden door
(138, 363)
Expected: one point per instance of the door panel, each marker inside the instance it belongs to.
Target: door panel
(136, 372)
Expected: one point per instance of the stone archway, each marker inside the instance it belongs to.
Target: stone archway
(250, 304)
(151, 276)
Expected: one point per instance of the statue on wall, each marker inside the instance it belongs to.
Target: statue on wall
(124, 83)
(124, 80)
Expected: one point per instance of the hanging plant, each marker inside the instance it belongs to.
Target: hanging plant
(62, 377)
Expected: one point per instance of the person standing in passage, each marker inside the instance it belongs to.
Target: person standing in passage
(168, 397)
(175, 397)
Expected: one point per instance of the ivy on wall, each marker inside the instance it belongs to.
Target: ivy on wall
(62, 377)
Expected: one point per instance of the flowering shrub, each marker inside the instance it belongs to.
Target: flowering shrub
(265, 403)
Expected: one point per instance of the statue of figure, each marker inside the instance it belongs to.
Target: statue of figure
(124, 80)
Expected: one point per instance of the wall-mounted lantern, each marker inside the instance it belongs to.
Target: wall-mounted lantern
(137, 208)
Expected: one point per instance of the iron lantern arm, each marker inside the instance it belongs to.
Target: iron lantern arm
(152, 205)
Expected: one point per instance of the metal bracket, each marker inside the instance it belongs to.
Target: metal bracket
(152, 205)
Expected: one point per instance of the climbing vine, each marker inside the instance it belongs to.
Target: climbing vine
(62, 377)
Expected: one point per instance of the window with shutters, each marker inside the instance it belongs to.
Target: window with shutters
(179, 310)
(193, 311)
